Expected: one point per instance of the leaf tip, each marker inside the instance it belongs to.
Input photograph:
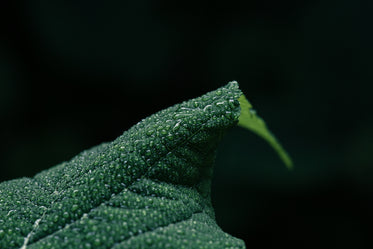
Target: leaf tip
(250, 121)
(287, 160)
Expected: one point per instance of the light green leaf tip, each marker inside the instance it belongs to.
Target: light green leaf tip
(249, 120)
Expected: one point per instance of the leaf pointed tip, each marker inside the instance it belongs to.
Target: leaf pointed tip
(250, 121)
(287, 161)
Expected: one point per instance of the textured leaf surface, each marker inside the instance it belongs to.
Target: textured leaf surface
(149, 188)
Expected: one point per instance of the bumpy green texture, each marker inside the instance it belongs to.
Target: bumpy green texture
(149, 188)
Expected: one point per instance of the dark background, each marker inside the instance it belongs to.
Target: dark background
(74, 74)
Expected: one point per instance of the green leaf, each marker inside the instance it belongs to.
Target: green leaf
(149, 188)
(249, 120)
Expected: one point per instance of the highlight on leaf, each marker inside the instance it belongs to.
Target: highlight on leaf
(249, 120)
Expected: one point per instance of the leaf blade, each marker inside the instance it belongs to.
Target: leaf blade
(249, 120)
(150, 187)
(91, 194)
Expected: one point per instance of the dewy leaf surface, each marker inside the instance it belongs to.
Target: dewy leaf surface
(149, 188)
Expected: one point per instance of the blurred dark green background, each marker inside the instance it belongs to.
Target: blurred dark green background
(74, 74)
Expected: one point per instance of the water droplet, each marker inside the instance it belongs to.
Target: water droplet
(149, 241)
(97, 242)
(170, 136)
(177, 126)
(232, 103)
(208, 106)
(149, 132)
